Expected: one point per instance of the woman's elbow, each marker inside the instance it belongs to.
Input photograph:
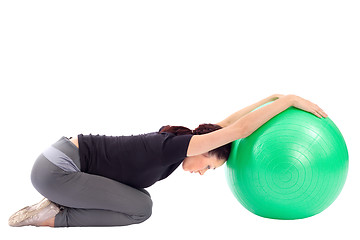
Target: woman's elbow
(240, 132)
(244, 132)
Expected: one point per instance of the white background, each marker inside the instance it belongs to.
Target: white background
(129, 67)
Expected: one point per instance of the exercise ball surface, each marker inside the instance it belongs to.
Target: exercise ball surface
(292, 167)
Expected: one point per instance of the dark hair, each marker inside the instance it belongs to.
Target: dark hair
(222, 152)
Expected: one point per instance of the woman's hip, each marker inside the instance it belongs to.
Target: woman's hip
(53, 164)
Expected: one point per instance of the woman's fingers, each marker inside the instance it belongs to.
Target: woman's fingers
(323, 113)
(319, 112)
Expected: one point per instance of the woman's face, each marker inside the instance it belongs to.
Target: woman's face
(201, 163)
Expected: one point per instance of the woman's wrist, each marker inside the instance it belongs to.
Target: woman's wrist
(291, 98)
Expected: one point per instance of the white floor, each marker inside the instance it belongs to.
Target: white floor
(120, 68)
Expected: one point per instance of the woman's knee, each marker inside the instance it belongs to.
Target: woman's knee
(145, 215)
(145, 210)
(148, 209)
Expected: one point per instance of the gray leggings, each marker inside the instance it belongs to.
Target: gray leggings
(86, 200)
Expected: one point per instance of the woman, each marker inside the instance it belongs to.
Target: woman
(93, 180)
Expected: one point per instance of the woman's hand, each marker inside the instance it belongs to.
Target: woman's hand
(308, 106)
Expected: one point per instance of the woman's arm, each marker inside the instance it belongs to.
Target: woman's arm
(237, 115)
(246, 125)
(241, 128)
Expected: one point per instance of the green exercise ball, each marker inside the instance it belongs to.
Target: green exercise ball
(292, 167)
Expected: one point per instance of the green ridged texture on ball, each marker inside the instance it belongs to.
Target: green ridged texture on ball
(292, 167)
